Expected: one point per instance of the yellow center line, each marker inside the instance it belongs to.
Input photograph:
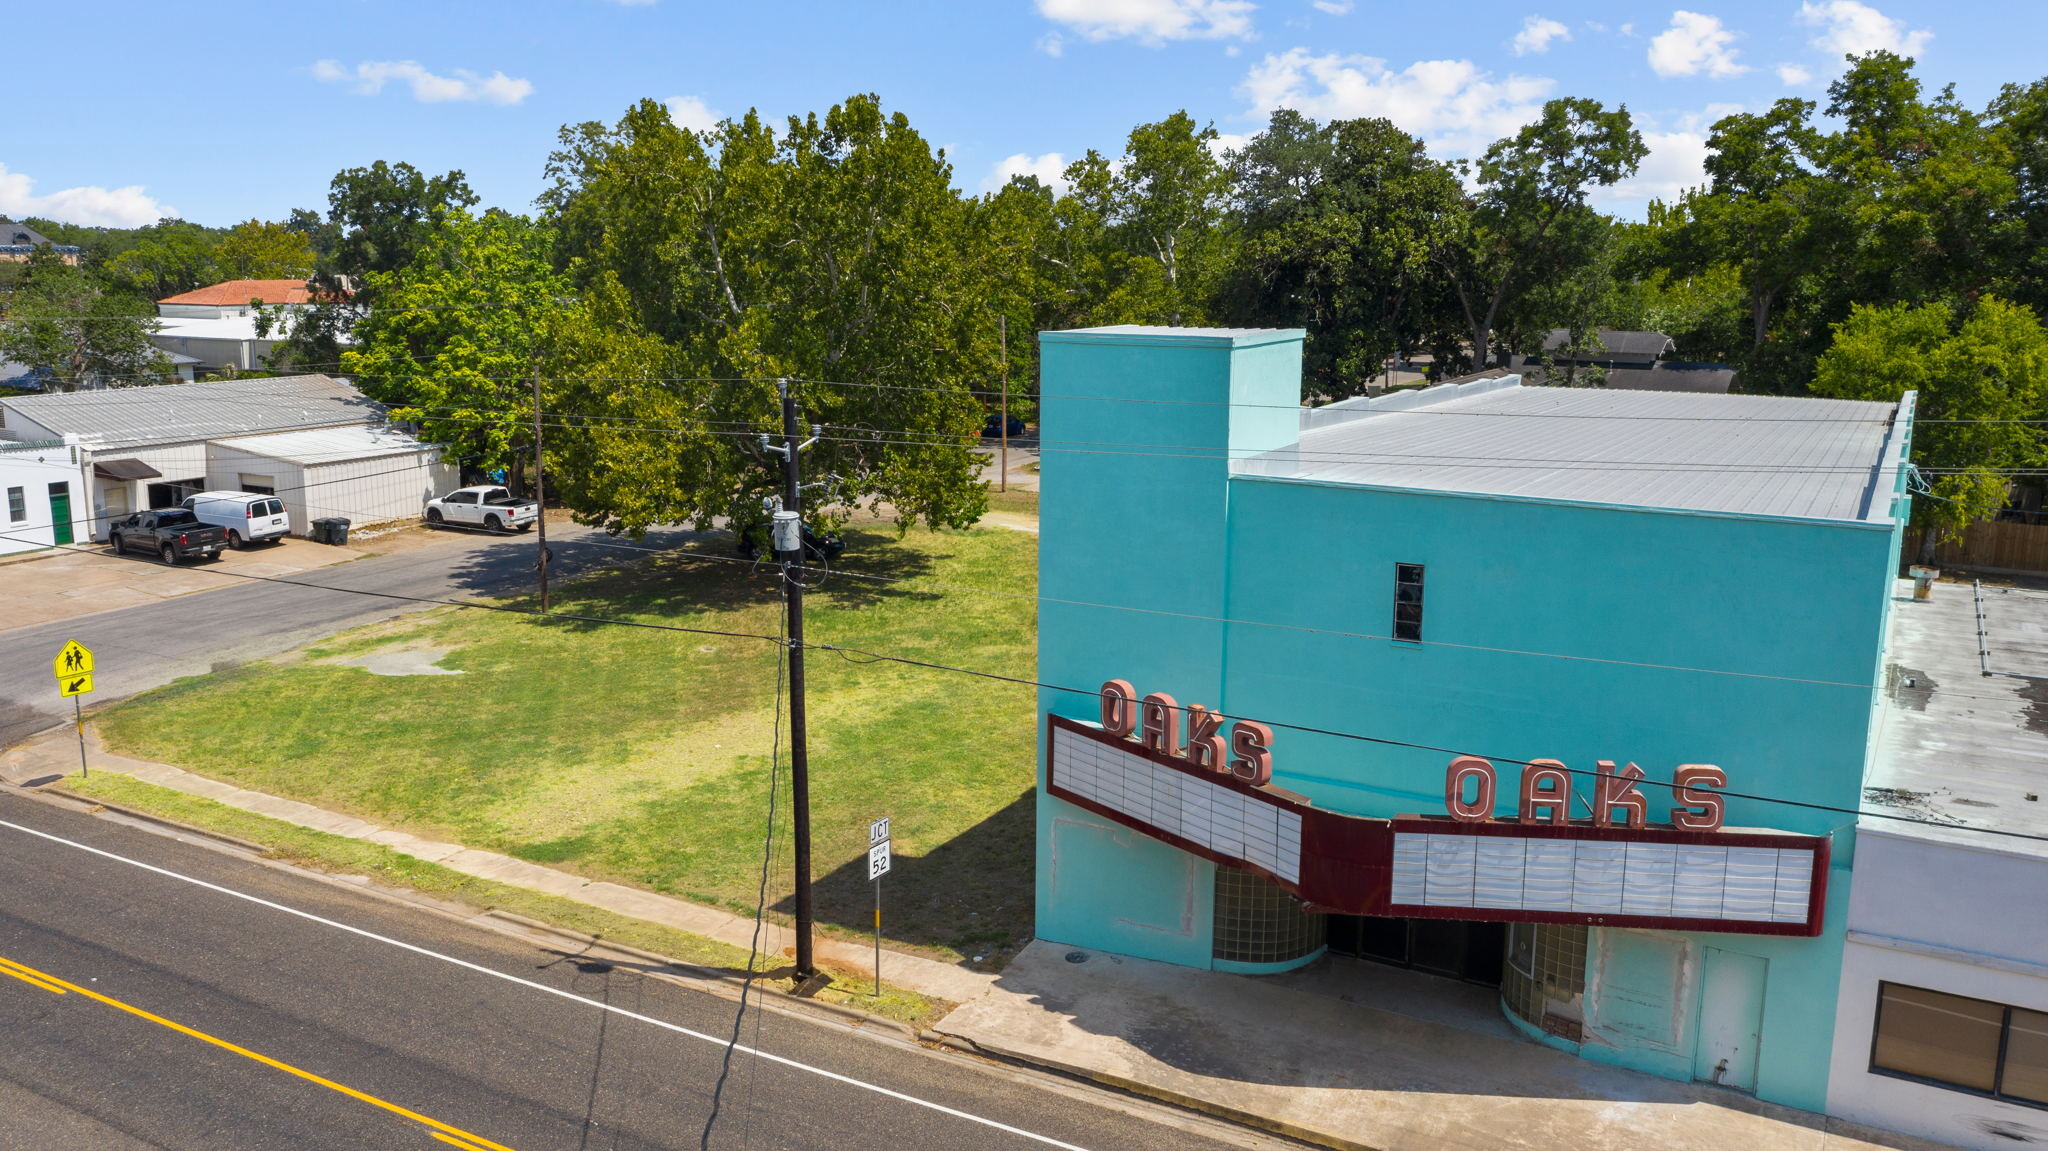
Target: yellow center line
(436, 1128)
(8, 968)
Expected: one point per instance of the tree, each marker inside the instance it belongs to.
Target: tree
(1339, 224)
(836, 252)
(378, 220)
(1974, 375)
(1529, 219)
(456, 334)
(258, 250)
(169, 257)
(68, 329)
(1160, 214)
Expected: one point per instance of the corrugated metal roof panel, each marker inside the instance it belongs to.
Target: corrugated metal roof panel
(327, 445)
(175, 413)
(1750, 455)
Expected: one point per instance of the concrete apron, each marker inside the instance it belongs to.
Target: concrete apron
(55, 753)
(1269, 1053)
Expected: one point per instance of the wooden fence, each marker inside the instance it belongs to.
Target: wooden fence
(2011, 547)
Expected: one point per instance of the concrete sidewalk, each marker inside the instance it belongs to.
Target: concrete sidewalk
(1288, 1053)
(55, 753)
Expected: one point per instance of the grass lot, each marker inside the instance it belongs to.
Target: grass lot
(334, 853)
(642, 756)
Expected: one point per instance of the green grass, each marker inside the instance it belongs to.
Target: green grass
(642, 756)
(336, 854)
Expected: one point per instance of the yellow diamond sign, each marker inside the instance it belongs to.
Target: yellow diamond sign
(72, 660)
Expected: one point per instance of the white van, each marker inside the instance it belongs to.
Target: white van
(249, 517)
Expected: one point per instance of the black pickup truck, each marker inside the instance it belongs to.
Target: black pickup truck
(174, 534)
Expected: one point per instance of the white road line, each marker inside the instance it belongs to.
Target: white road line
(480, 969)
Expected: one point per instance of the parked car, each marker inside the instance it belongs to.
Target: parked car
(485, 506)
(174, 534)
(248, 517)
(993, 429)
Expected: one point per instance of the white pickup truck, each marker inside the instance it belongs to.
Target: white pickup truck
(488, 507)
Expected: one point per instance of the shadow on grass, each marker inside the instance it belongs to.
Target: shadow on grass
(972, 894)
(722, 581)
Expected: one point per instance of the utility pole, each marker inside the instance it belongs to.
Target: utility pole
(1003, 338)
(540, 494)
(789, 551)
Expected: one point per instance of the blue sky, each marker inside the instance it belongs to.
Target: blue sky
(220, 113)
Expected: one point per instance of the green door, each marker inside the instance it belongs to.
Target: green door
(60, 511)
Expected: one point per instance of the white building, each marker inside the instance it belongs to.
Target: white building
(314, 441)
(43, 483)
(1941, 1028)
(212, 330)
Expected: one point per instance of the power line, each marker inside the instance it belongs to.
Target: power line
(858, 655)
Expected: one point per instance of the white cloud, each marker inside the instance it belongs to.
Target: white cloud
(370, 76)
(1794, 75)
(89, 204)
(1695, 43)
(1677, 158)
(1452, 104)
(691, 113)
(1536, 35)
(1052, 45)
(1226, 143)
(1852, 29)
(1676, 161)
(1334, 7)
(1152, 21)
(1050, 169)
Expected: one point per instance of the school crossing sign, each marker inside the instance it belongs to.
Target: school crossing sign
(73, 669)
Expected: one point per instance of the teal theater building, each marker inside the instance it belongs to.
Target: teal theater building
(1563, 691)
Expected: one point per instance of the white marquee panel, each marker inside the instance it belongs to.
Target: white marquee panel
(1219, 819)
(1603, 877)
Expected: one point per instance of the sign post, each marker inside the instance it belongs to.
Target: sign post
(878, 866)
(73, 669)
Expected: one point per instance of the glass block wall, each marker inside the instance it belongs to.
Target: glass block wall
(1257, 922)
(1546, 977)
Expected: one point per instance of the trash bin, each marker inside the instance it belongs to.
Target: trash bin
(331, 530)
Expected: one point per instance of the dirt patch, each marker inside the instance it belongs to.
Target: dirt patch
(403, 661)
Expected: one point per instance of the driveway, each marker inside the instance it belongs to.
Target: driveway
(150, 644)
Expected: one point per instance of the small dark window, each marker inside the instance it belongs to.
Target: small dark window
(1969, 1044)
(17, 505)
(1408, 602)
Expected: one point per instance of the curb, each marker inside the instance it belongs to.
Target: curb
(1243, 1118)
(96, 807)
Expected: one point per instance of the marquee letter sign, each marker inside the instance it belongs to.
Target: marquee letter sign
(1162, 774)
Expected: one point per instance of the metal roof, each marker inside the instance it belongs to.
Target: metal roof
(1962, 738)
(327, 445)
(177, 413)
(1740, 454)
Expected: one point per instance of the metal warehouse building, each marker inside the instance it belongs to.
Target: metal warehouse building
(314, 441)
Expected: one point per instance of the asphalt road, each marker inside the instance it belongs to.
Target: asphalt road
(147, 646)
(185, 1017)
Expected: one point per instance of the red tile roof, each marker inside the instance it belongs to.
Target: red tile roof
(234, 293)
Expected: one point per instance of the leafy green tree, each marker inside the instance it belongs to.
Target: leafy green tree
(1160, 216)
(1339, 225)
(1529, 220)
(456, 334)
(379, 218)
(259, 250)
(169, 257)
(1975, 374)
(65, 326)
(836, 252)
